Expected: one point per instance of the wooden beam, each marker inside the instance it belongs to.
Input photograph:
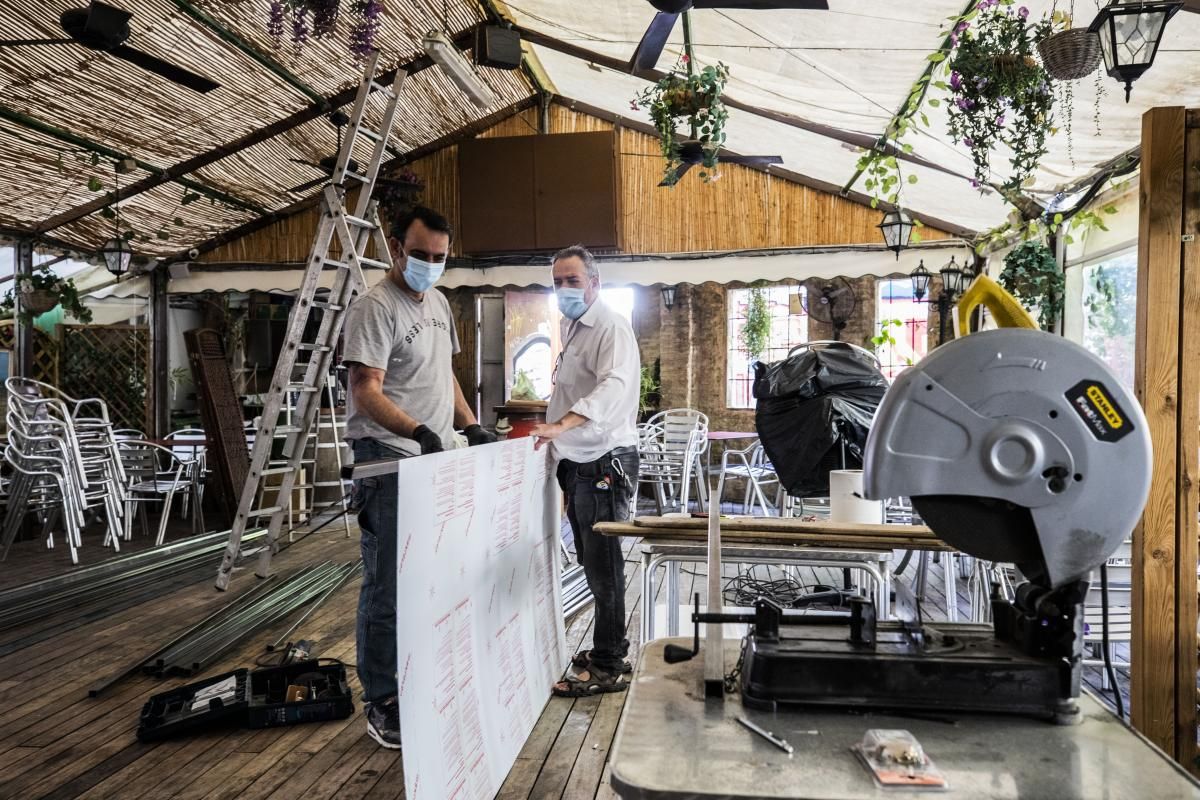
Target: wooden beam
(1157, 547)
(258, 136)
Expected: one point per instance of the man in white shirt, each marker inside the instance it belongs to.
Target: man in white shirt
(592, 432)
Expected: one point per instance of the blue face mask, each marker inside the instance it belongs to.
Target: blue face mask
(422, 275)
(571, 302)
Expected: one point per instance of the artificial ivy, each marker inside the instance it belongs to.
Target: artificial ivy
(1032, 275)
(694, 98)
(756, 330)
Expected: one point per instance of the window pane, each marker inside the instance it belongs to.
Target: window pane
(1109, 312)
(904, 324)
(787, 330)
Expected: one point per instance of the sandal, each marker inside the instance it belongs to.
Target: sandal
(589, 683)
(581, 660)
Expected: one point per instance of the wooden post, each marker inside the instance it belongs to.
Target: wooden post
(160, 327)
(22, 359)
(1163, 696)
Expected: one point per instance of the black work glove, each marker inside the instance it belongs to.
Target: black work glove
(477, 434)
(429, 441)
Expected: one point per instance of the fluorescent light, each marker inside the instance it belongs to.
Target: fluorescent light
(457, 68)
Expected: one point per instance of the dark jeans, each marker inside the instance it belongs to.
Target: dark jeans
(596, 492)
(375, 501)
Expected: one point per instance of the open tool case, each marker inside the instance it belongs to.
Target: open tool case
(307, 691)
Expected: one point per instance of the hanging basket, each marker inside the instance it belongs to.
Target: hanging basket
(38, 301)
(1010, 64)
(1070, 55)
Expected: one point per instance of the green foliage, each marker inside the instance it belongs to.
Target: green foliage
(523, 388)
(695, 99)
(650, 387)
(885, 338)
(1031, 274)
(1110, 298)
(756, 330)
(1001, 93)
(1026, 230)
(180, 376)
(44, 279)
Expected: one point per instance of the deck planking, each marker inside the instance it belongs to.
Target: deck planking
(55, 742)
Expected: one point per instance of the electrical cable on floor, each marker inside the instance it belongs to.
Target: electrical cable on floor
(1108, 665)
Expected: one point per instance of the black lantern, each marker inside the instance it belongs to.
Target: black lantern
(1130, 33)
(897, 228)
(668, 296)
(968, 277)
(117, 254)
(952, 278)
(920, 278)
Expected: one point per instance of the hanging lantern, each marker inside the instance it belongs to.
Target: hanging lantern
(952, 278)
(897, 228)
(920, 278)
(117, 254)
(1130, 33)
(668, 297)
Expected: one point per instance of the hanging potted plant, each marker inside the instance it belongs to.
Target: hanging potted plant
(756, 330)
(693, 99)
(1000, 94)
(1071, 53)
(1032, 275)
(42, 291)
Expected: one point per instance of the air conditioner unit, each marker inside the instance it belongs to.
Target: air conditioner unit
(457, 68)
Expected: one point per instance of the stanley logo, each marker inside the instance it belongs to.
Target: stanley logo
(1106, 409)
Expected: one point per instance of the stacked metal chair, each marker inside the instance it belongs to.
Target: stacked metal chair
(65, 464)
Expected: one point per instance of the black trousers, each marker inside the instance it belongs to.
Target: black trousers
(602, 491)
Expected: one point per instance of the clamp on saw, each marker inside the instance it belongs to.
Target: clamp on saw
(1016, 446)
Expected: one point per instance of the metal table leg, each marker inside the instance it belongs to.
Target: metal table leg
(673, 597)
(951, 569)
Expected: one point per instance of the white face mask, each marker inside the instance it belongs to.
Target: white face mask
(571, 302)
(422, 275)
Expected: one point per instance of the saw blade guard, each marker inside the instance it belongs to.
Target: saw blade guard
(1023, 446)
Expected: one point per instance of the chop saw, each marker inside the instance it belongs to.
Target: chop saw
(1016, 446)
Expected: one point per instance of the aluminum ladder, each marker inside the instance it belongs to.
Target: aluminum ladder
(354, 231)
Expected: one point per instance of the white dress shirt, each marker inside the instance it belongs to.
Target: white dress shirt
(599, 377)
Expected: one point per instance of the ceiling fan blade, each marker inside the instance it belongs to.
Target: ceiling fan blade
(304, 187)
(650, 48)
(764, 5)
(21, 42)
(752, 161)
(675, 177)
(169, 71)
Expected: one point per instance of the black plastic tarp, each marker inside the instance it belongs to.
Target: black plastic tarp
(813, 414)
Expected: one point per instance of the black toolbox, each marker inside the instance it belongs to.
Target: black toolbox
(307, 691)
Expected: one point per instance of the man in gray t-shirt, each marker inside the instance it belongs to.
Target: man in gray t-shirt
(404, 401)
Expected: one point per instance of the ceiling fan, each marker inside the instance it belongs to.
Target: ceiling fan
(650, 48)
(327, 164)
(691, 153)
(104, 27)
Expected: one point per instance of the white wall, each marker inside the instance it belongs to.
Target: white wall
(178, 321)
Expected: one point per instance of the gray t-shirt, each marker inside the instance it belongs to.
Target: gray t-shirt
(386, 329)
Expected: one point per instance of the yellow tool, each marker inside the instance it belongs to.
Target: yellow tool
(1005, 309)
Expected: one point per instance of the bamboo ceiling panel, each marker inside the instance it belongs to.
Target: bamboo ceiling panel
(134, 112)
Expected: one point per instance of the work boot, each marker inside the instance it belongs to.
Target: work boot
(383, 723)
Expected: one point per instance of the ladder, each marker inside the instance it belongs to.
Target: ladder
(304, 366)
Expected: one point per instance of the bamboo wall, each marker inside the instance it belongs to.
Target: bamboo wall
(744, 209)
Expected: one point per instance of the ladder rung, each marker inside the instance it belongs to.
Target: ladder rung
(360, 222)
(288, 429)
(333, 262)
(327, 306)
(264, 512)
(276, 471)
(329, 484)
(376, 86)
(316, 348)
(357, 177)
(300, 387)
(371, 262)
(370, 134)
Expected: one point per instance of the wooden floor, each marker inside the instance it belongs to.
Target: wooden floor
(55, 742)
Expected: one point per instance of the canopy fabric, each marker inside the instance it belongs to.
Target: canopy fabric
(851, 68)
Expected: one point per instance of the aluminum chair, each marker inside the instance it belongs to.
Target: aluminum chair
(670, 450)
(190, 445)
(751, 465)
(156, 474)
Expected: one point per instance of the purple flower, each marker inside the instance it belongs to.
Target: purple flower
(1000, 121)
(366, 27)
(955, 81)
(962, 26)
(981, 82)
(325, 13)
(1023, 12)
(964, 104)
(975, 183)
(275, 23)
(968, 142)
(299, 26)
